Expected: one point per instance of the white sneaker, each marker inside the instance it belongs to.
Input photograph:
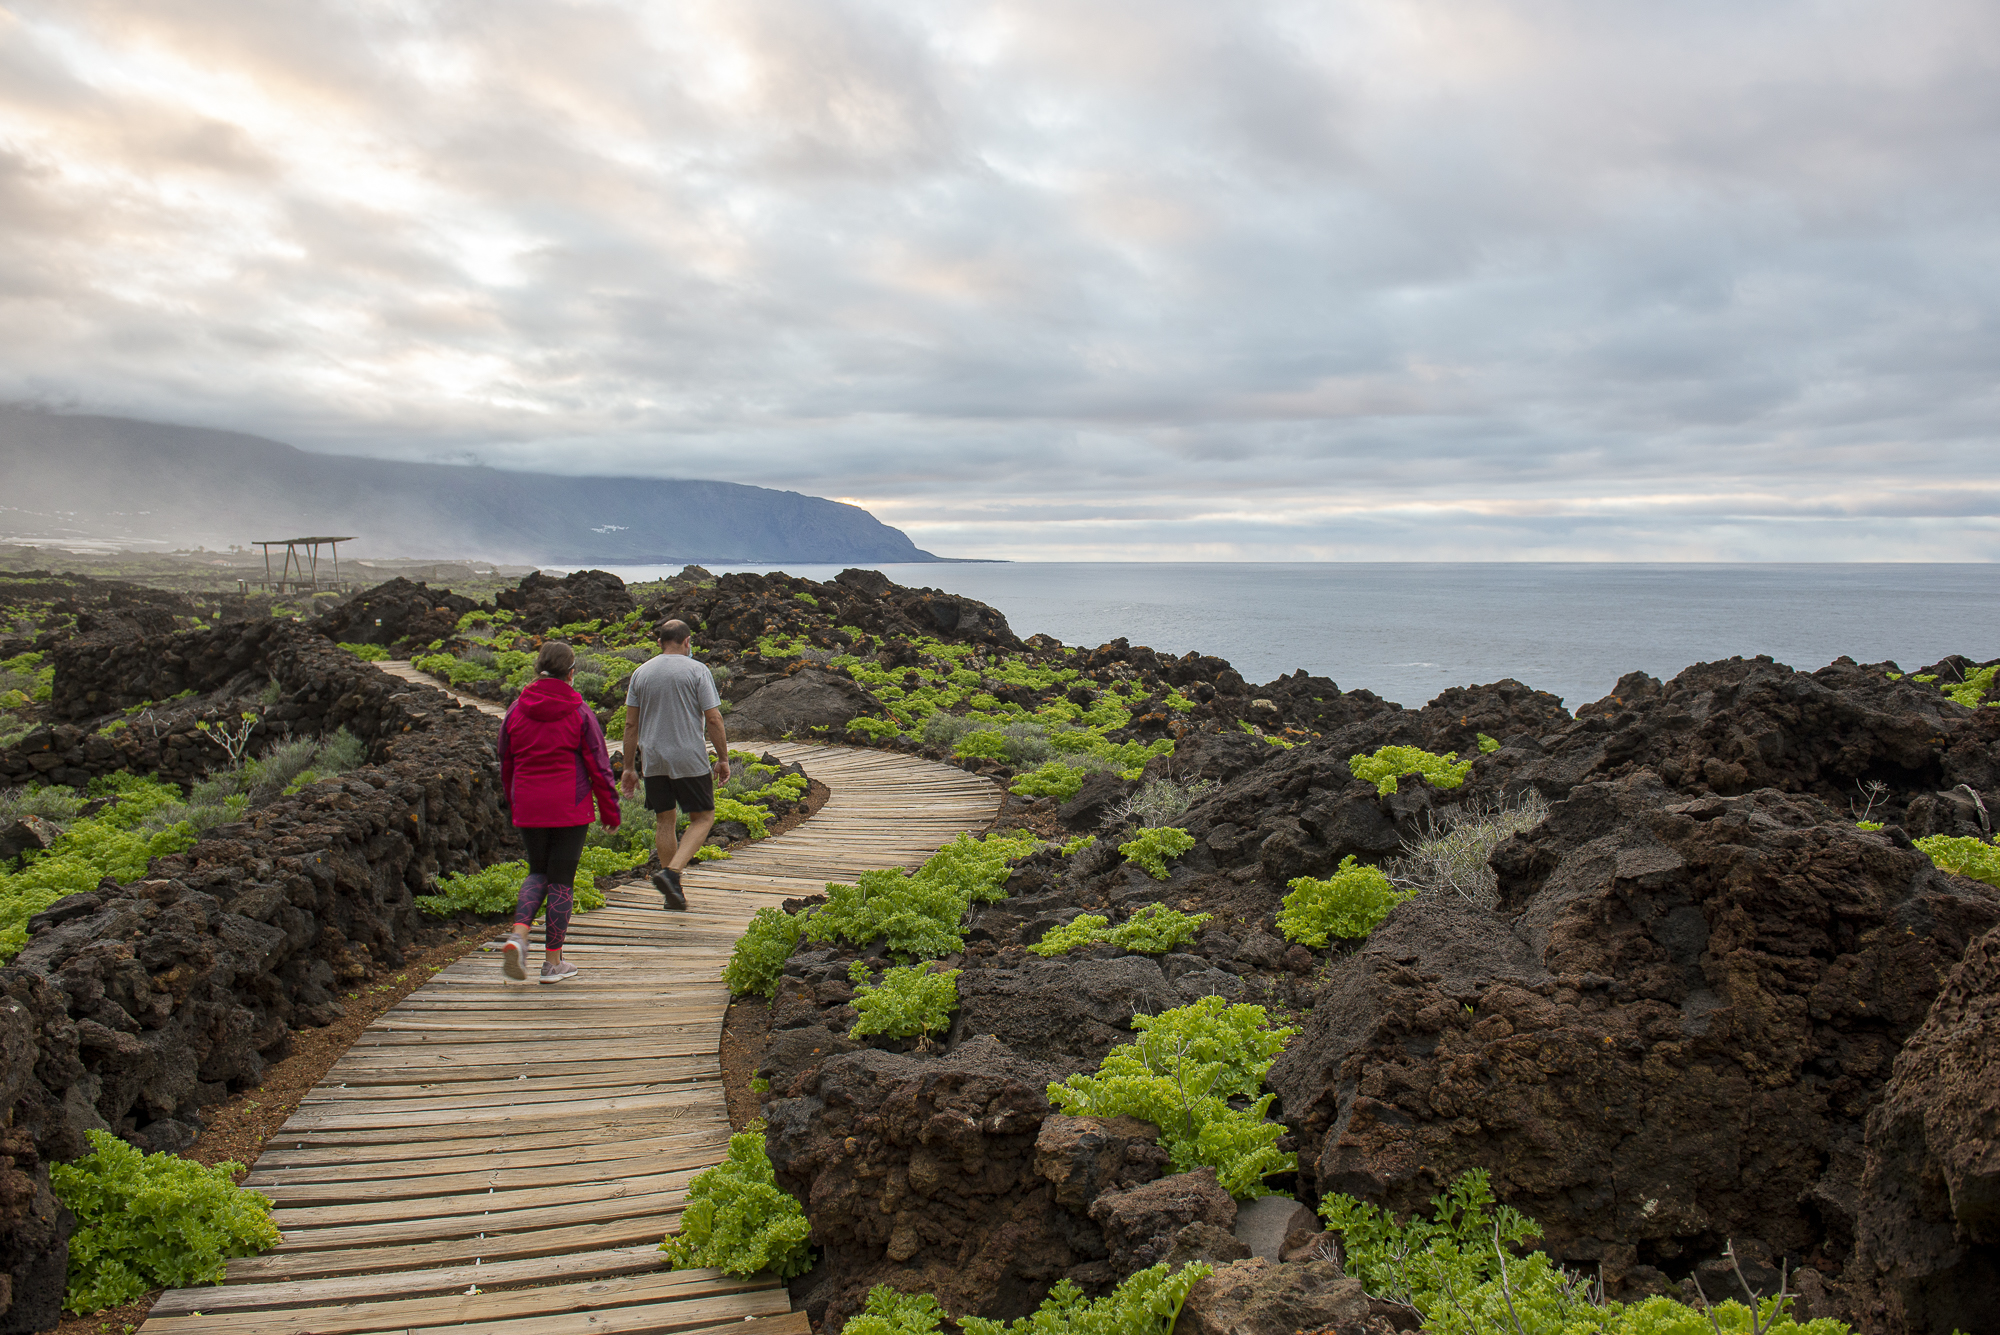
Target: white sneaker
(555, 973)
(510, 960)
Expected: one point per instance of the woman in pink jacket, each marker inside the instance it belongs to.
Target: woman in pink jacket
(553, 762)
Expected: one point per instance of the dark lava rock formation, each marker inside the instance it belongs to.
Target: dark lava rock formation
(146, 1002)
(1698, 1004)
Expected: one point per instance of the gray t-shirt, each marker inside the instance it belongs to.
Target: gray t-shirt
(672, 692)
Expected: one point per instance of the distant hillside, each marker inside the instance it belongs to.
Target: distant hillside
(114, 478)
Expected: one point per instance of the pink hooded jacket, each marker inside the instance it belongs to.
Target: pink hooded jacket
(553, 759)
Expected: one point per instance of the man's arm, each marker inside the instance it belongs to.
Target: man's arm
(712, 721)
(628, 782)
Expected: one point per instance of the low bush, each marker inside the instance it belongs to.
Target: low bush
(919, 915)
(1154, 929)
(1350, 904)
(1051, 779)
(1974, 859)
(910, 1002)
(1150, 848)
(368, 653)
(736, 1220)
(1179, 1075)
(1158, 803)
(757, 961)
(1459, 1270)
(151, 1221)
(117, 842)
(495, 889)
(1146, 1303)
(1452, 857)
(1391, 762)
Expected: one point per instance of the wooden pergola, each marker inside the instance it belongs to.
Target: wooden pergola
(300, 570)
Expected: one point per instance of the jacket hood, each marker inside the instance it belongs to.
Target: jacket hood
(547, 699)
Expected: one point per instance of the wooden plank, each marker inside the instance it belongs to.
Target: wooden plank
(463, 1307)
(410, 1283)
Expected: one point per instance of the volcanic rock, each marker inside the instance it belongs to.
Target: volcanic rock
(1260, 1297)
(1068, 1012)
(1143, 1224)
(808, 701)
(541, 603)
(1929, 1227)
(1697, 1001)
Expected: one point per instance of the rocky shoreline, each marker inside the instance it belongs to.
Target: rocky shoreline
(1696, 1003)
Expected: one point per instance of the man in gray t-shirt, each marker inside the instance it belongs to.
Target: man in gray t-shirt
(672, 714)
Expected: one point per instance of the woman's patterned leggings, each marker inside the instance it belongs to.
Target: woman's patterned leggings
(552, 858)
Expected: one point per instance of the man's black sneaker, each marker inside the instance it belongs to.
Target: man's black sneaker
(668, 882)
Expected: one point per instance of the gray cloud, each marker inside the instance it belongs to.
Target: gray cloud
(1030, 278)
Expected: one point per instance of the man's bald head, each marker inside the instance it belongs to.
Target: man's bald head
(673, 631)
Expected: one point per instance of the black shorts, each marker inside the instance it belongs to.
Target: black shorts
(690, 795)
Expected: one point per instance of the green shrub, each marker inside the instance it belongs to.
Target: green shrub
(757, 961)
(1349, 904)
(1460, 1271)
(116, 843)
(1974, 859)
(1488, 745)
(1973, 689)
(150, 1221)
(1078, 843)
(919, 914)
(1154, 929)
(1051, 779)
(1384, 767)
(878, 728)
(495, 889)
(1179, 1075)
(910, 1002)
(368, 653)
(1147, 1303)
(1151, 848)
(737, 1221)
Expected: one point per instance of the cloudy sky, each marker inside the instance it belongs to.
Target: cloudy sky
(1085, 279)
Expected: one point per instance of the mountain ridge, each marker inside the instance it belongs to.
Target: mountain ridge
(106, 477)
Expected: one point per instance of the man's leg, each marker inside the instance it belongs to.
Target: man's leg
(660, 801)
(699, 824)
(663, 833)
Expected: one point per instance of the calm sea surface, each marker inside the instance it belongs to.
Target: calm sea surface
(1408, 631)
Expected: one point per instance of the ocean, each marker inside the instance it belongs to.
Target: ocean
(1409, 630)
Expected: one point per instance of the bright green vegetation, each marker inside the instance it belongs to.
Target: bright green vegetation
(368, 653)
(1350, 904)
(495, 889)
(1051, 779)
(1870, 825)
(151, 1221)
(118, 842)
(1077, 844)
(1459, 1269)
(757, 961)
(144, 819)
(1147, 1303)
(920, 915)
(1180, 1074)
(1964, 856)
(737, 1221)
(1150, 848)
(910, 1002)
(1488, 745)
(1391, 762)
(1154, 929)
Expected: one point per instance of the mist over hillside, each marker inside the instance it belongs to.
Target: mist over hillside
(116, 479)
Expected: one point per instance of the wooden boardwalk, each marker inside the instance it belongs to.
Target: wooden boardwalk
(498, 1158)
